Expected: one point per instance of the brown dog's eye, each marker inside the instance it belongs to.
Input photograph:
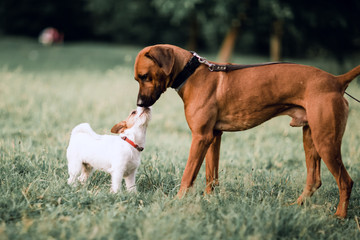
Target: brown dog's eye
(143, 77)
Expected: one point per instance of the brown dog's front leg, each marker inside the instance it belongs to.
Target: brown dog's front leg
(199, 146)
(212, 163)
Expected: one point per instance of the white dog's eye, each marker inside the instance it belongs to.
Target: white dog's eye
(133, 112)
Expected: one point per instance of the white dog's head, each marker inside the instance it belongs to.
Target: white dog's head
(138, 118)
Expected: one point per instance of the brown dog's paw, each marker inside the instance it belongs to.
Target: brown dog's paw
(340, 214)
(300, 201)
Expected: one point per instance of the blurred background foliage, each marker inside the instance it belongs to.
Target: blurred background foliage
(281, 28)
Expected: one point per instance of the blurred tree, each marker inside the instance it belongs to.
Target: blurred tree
(307, 28)
(286, 27)
(29, 17)
(136, 21)
(331, 26)
(274, 14)
(236, 14)
(211, 18)
(182, 14)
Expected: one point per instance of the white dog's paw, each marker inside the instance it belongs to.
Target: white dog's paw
(132, 189)
(82, 179)
(71, 181)
(114, 190)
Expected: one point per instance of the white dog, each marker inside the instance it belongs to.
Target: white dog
(118, 155)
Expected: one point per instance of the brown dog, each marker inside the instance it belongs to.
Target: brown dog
(238, 100)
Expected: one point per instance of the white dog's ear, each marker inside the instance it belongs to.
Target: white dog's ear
(119, 127)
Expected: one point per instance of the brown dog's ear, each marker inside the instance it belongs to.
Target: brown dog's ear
(119, 127)
(163, 56)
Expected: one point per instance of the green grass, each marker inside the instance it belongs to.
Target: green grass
(45, 92)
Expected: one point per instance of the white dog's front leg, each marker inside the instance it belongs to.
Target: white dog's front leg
(74, 169)
(116, 178)
(130, 182)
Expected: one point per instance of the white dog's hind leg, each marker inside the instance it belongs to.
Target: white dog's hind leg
(86, 171)
(130, 182)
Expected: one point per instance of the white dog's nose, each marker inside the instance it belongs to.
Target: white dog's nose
(142, 109)
(139, 109)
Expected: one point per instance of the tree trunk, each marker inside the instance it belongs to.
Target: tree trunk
(275, 40)
(228, 44)
(192, 44)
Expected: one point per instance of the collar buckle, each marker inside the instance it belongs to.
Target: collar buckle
(204, 61)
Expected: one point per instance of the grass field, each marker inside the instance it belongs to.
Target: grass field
(45, 92)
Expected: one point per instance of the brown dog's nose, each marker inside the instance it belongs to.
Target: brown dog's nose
(143, 101)
(147, 101)
(140, 102)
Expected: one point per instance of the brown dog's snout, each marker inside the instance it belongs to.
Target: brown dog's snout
(147, 101)
(141, 102)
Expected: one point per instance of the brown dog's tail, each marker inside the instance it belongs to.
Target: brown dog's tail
(346, 78)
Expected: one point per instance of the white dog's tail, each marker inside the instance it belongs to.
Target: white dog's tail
(84, 128)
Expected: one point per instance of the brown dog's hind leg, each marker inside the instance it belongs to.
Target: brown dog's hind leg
(313, 160)
(332, 158)
(212, 163)
(327, 120)
(344, 182)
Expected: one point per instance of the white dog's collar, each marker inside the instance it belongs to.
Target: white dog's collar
(140, 149)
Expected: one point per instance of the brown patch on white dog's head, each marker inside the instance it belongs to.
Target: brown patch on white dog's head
(140, 116)
(119, 127)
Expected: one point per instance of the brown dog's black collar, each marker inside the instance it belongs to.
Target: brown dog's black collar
(188, 70)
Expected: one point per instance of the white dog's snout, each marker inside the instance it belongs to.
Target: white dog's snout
(142, 110)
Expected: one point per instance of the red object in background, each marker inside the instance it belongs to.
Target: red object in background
(50, 36)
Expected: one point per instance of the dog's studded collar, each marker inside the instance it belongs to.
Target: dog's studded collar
(189, 69)
(140, 149)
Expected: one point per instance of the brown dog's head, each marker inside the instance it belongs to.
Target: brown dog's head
(155, 68)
